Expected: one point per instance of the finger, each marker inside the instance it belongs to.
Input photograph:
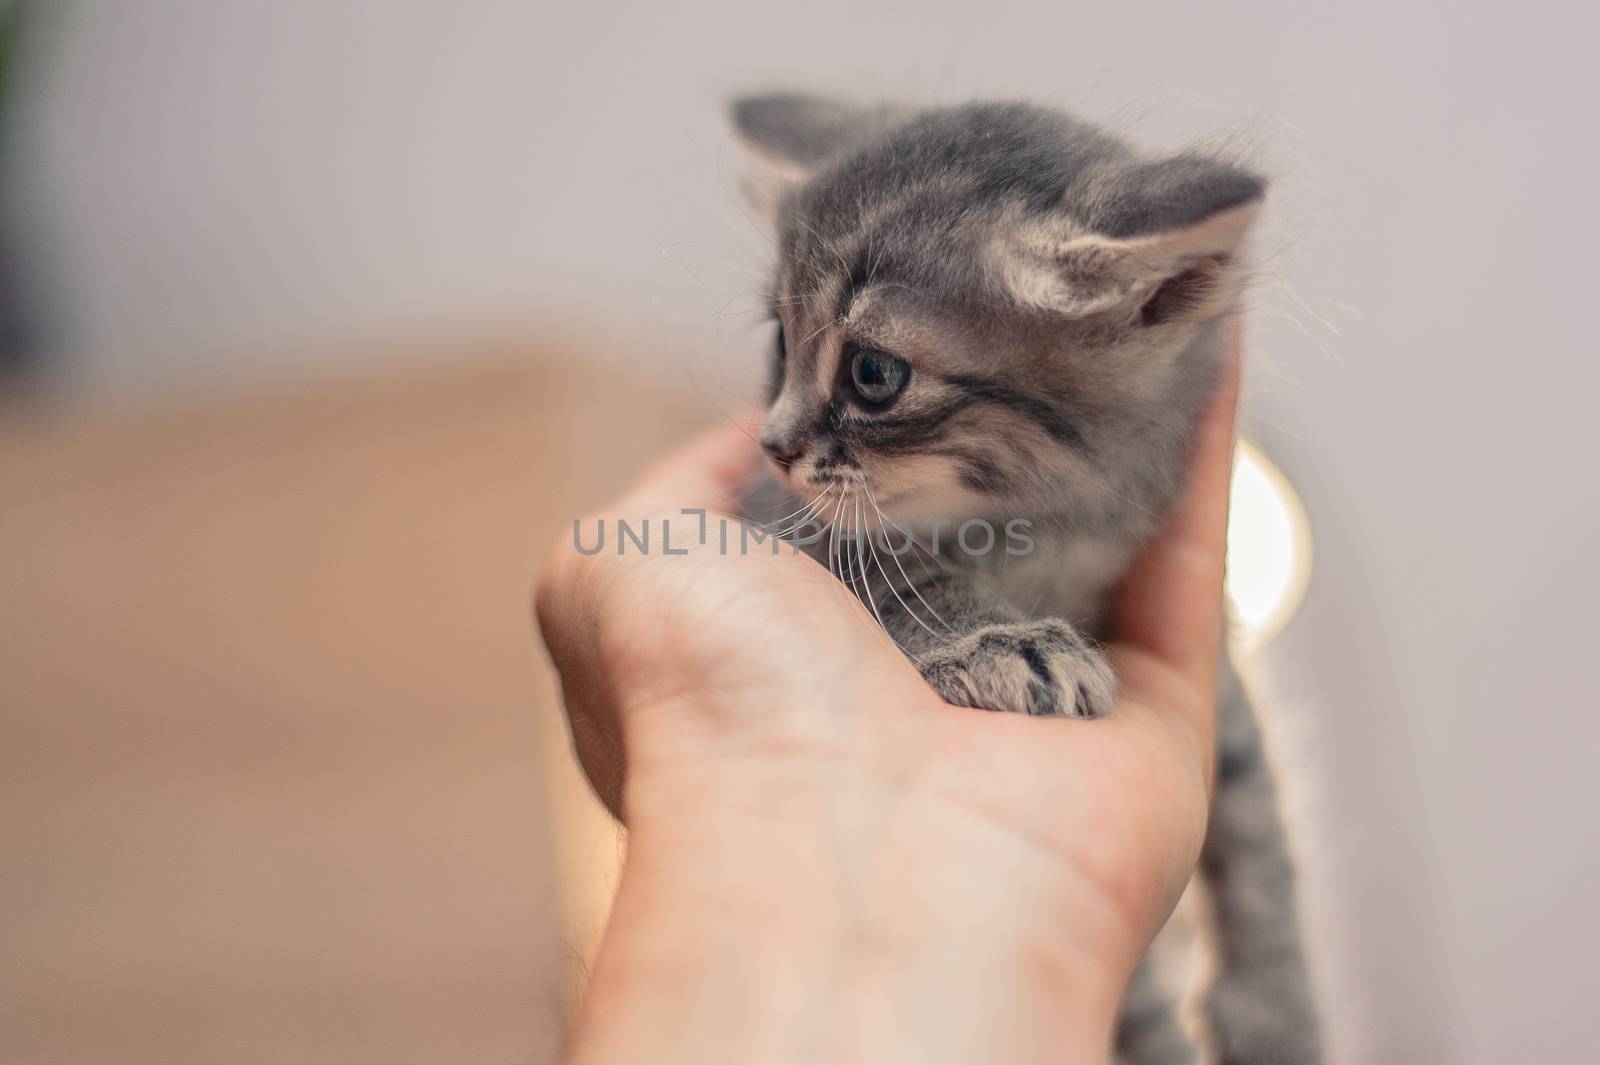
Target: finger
(707, 471)
(1170, 606)
(571, 596)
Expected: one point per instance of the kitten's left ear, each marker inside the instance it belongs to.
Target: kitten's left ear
(1160, 238)
(788, 137)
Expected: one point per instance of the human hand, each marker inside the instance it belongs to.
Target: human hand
(918, 882)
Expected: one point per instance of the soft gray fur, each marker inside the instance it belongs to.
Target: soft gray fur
(1053, 301)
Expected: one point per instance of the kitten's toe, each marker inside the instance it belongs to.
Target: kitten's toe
(1041, 668)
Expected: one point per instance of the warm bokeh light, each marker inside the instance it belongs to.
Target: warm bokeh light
(1269, 548)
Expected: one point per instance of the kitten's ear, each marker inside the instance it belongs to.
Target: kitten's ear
(1159, 238)
(787, 137)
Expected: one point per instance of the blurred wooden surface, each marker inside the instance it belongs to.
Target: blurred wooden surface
(280, 774)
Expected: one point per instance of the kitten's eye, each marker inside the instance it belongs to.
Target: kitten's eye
(878, 376)
(781, 345)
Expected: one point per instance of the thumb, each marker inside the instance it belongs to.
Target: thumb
(706, 472)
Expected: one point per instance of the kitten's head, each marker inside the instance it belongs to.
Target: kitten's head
(988, 309)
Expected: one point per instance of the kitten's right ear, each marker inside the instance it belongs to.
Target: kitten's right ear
(1160, 238)
(788, 137)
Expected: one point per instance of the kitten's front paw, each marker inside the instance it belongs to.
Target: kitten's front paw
(1042, 668)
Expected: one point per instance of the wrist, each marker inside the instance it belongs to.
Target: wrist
(780, 910)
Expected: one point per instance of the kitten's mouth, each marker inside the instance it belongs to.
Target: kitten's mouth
(846, 498)
(803, 478)
(829, 491)
(839, 485)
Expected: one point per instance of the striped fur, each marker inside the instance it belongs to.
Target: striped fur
(1058, 299)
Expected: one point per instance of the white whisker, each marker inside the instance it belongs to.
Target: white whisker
(803, 516)
(866, 578)
(847, 568)
(884, 521)
(889, 583)
(826, 244)
(805, 508)
(824, 327)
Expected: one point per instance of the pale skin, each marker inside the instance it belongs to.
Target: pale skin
(827, 863)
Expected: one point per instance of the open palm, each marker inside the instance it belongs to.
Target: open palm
(743, 678)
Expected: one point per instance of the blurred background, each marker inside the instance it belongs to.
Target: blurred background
(320, 319)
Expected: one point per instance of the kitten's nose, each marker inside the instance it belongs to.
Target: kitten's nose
(783, 450)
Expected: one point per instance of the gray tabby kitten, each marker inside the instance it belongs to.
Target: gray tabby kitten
(997, 311)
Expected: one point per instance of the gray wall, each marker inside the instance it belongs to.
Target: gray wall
(207, 177)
